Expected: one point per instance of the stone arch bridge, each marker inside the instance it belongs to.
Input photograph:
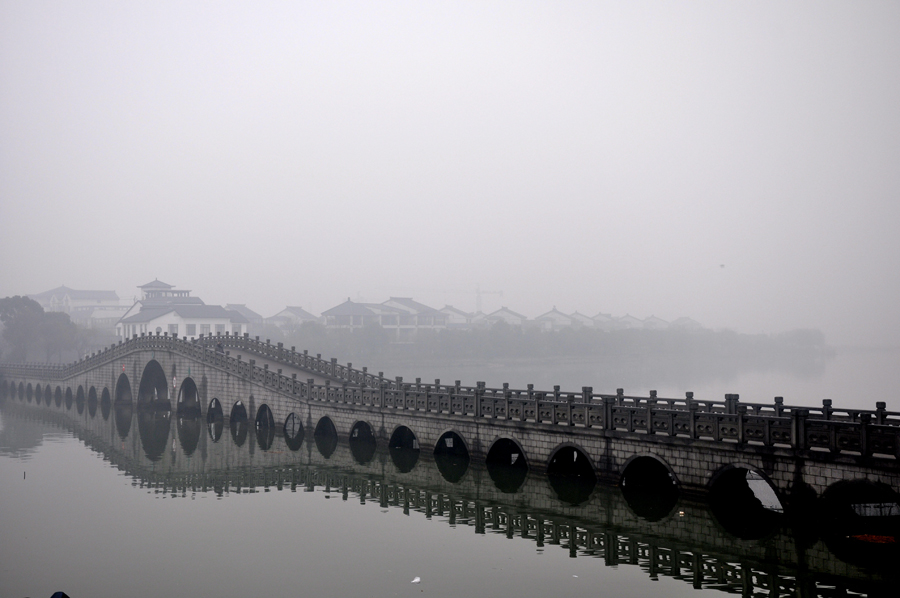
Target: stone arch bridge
(687, 443)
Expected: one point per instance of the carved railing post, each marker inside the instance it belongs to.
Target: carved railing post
(865, 447)
(798, 428)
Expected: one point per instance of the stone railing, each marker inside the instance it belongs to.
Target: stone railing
(864, 432)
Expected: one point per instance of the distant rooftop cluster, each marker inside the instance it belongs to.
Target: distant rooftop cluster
(164, 308)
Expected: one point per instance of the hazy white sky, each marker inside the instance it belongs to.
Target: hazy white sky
(589, 155)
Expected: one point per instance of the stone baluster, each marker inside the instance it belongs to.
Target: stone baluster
(779, 406)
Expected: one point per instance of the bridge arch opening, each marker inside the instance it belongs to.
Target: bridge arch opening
(265, 427)
(3, 389)
(237, 422)
(21, 391)
(451, 456)
(861, 522)
(188, 427)
(507, 465)
(92, 401)
(79, 399)
(153, 428)
(649, 487)
(215, 420)
(29, 392)
(325, 436)
(48, 395)
(123, 390)
(153, 392)
(124, 413)
(744, 502)
(188, 402)
(293, 431)
(38, 394)
(105, 403)
(57, 396)
(571, 474)
(69, 397)
(404, 449)
(362, 442)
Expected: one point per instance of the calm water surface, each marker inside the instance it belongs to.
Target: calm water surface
(114, 506)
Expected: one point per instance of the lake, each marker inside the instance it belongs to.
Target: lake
(112, 504)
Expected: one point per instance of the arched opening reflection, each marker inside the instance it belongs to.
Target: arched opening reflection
(188, 426)
(123, 390)
(325, 437)
(92, 402)
(69, 398)
(38, 394)
(293, 431)
(57, 396)
(745, 504)
(123, 415)
(188, 398)
(404, 449)
(265, 427)
(861, 521)
(507, 466)
(362, 443)
(451, 457)
(79, 400)
(649, 488)
(237, 422)
(215, 420)
(29, 392)
(153, 428)
(105, 404)
(153, 392)
(571, 475)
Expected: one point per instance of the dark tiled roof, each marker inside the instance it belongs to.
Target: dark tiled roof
(409, 303)
(188, 312)
(349, 308)
(244, 311)
(156, 284)
(299, 312)
(146, 315)
(455, 310)
(75, 294)
(507, 310)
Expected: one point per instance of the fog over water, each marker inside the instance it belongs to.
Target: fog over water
(730, 162)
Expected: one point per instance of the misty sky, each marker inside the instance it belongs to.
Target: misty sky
(589, 155)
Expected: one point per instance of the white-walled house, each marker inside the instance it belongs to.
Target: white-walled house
(554, 320)
(507, 315)
(292, 316)
(580, 319)
(163, 308)
(184, 321)
(456, 318)
(654, 323)
(629, 321)
(604, 321)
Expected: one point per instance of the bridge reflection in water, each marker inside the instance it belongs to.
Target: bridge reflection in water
(734, 542)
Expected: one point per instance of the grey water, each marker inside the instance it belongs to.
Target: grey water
(99, 505)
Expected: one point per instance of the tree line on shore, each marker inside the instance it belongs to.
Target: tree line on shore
(32, 334)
